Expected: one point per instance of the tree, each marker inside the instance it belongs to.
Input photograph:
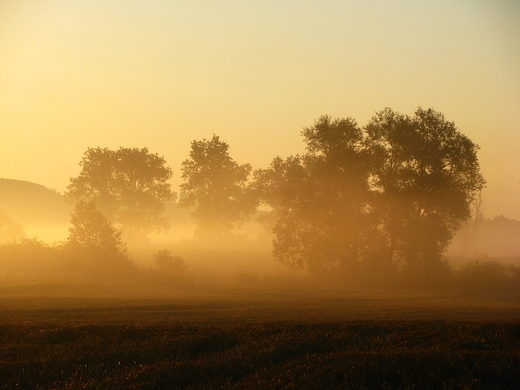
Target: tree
(129, 185)
(217, 186)
(428, 174)
(320, 199)
(380, 199)
(94, 249)
(91, 230)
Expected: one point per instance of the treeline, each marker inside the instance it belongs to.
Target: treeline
(30, 260)
(499, 237)
(378, 202)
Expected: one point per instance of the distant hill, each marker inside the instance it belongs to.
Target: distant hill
(30, 203)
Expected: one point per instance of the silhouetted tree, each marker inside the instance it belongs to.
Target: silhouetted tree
(320, 199)
(94, 249)
(427, 173)
(217, 186)
(10, 230)
(129, 185)
(384, 198)
(90, 229)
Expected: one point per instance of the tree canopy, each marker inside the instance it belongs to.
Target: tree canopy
(381, 198)
(428, 174)
(318, 197)
(129, 186)
(217, 186)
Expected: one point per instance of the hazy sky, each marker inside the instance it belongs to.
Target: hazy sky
(78, 74)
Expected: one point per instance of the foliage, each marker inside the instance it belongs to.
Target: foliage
(10, 230)
(29, 260)
(94, 249)
(217, 186)
(90, 229)
(384, 198)
(33, 261)
(319, 198)
(428, 174)
(168, 263)
(129, 185)
(488, 275)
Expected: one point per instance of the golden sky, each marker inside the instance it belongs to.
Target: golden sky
(78, 74)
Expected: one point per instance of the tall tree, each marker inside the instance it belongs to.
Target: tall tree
(217, 186)
(383, 198)
(129, 185)
(428, 174)
(320, 198)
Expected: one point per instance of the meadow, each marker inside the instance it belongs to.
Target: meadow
(91, 337)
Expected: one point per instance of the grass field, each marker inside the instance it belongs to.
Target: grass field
(99, 337)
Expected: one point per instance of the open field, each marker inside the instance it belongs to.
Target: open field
(105, 337)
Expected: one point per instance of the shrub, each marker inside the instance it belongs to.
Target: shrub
(484, 274)
(169, 264)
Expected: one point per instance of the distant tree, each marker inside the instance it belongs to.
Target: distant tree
(10, 230)
(169, 264)
(499, 236)
(129, 186)
(94, 249)
(428, 174)
(320, 199)
(217, 186)
(91, 230)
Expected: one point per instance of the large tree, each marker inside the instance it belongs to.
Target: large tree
(129, 185)
(383, 198)
(427, 173)
(217, 186)
(320, 199)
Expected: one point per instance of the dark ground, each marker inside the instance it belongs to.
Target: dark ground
(97, 337)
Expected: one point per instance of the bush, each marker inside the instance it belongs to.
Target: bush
(96, 265)
(28, 260)
(170, 269)
(487, 275)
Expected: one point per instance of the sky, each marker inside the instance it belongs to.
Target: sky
(79, 74)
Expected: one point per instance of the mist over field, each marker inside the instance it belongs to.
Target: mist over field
(370, 145)
(396, 204)
(259, 194)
